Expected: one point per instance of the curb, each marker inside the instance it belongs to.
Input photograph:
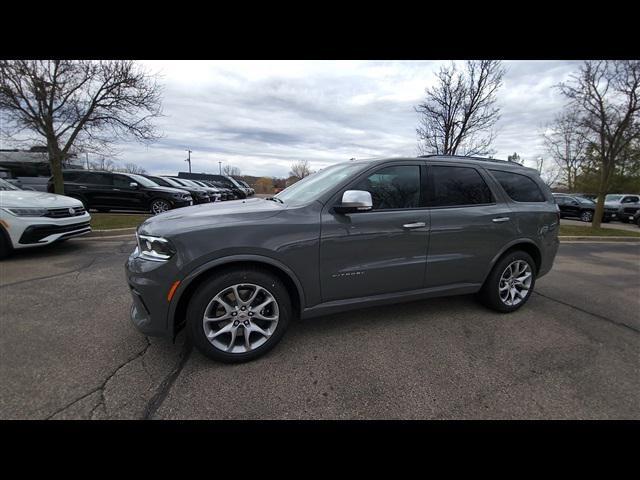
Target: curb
(112, 233)
(598, 239)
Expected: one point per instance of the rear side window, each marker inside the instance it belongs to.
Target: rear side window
(519, 187)
(454, 186)
(393, 187)
(95, 178)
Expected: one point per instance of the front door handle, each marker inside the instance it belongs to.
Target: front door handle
(414, 225)
(500, 219)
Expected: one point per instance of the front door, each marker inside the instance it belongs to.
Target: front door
(380, 251)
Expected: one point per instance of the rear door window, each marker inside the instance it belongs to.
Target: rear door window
(520, 188)
(457, 186)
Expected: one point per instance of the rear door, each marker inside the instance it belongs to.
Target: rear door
(95, 187)
(382, 250)
(470, 223)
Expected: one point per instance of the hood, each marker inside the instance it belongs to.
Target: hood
(26, 198)
(210, 215)
(160, 188)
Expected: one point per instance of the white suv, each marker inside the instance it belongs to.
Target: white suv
(615, 205)
(29, 219)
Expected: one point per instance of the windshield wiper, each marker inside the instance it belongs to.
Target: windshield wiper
(274, 199)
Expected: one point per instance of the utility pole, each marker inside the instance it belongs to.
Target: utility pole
(220, 165)
(189, 160)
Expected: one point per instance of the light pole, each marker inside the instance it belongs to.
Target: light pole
(189, 160)
(220, 166)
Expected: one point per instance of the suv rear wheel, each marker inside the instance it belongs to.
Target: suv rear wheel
(238, 316)
(586, 216)
(510, 283)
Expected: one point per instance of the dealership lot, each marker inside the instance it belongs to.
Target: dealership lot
(68, 350)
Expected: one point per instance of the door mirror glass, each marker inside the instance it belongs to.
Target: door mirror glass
(133, 185)
(354, 201)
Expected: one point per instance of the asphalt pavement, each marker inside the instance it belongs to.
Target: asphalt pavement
(68, 350)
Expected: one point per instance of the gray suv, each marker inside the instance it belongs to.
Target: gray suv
(356, 234)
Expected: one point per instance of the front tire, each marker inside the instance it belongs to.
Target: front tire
(586, 216)
(239, 315)
(159, 206)
(5, 245)
(510, 283)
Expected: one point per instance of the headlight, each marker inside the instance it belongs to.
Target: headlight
(155, 248)
(27, 212)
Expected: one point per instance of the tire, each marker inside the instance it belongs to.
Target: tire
(490, 295)
(5, 245)
(159, 205)
(606, 219)
(228, 340)
(624, 219)
(586, 216)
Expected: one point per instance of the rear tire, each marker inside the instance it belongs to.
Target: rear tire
(493, 291)
(586, 216)
(224, 339)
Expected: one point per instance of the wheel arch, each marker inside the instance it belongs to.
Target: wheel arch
(523, 244)
(178, 306)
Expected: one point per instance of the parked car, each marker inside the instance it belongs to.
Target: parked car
(359, 233)
(636, 218)
(225, 193)
(106, 191)
(250, 191)
(627, 211)
(205, 194)
(31, 219)
(572, 206)
(214, 193)
(615, 204)
(198, 195)
(226, 181)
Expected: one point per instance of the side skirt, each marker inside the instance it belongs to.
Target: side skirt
(337, 306)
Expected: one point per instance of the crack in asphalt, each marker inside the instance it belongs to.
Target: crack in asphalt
(47, 277)
(101, 387)
(165, 386)
(601, 317)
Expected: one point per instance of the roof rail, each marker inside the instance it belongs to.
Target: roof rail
(482, 159)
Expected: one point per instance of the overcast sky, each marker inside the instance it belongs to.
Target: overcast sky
(261, 116)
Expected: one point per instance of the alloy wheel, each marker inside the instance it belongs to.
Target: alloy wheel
(586, 216)
(160, 206)
(240, 318)
(515, 283)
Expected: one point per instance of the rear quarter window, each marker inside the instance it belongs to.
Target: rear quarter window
(520, 188)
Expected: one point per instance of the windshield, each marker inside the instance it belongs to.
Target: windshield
(316, 184)
(4, 185)
(612, 198)
(586, 201)
(172, 182)
(144, 181)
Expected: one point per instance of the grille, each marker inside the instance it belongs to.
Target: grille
(64, 212)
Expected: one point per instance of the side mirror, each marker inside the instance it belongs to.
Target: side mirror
(133, 185)
(354, 201)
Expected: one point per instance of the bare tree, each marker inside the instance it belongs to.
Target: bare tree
(83, 104)
(548, 175)
(103, 164)
(567, 143)
(130, 167)
(605, 94)
(231, 171)
(300, 169)
(515, 158)
(459, 112)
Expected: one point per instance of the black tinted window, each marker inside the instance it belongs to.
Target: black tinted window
(519, 187)
(458, 186)
(393, 187)
(122, 181)
(95, 178)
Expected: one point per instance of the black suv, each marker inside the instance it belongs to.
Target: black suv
(199, 195)
(578, 207)
(106, 191)
(226, 181)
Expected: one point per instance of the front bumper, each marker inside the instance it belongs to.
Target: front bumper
(149, 283)
(27, 232)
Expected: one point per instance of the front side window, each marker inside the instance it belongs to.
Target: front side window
(520, 188)
(121, 181)
(457, 186)
(393, 187)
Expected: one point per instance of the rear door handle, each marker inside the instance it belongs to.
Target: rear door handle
(500, 219)
(414, 225)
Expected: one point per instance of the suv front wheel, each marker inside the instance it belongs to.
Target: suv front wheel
(238, 316)
(510, 283)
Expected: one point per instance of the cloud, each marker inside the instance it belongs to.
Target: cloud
(261, 116)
